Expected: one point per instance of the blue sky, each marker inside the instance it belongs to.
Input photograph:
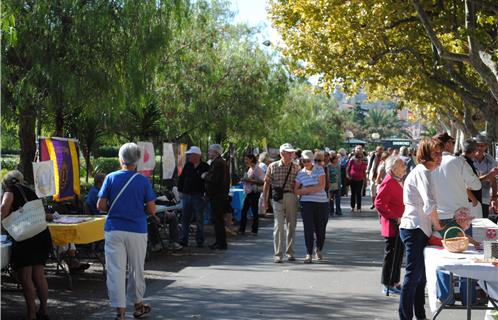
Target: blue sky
(253, 12)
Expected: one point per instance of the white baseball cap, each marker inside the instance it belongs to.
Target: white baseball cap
(194, 149)
(287, 147)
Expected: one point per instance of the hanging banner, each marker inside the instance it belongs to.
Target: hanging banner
(43, 174)
(65, 156)
(147, 162)
(168, 161)
(182, 148)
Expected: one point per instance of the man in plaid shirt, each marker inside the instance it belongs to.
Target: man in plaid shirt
(285, 209)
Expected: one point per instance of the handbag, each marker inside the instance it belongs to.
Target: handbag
(27, 221)
(278, 192)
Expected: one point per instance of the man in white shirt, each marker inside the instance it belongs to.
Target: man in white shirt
(452, 179)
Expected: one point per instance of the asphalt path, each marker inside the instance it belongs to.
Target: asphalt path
(244, 282)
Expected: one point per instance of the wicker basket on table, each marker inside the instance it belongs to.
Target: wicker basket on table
(456, 244)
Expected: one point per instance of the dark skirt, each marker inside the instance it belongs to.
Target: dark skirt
(32, 251)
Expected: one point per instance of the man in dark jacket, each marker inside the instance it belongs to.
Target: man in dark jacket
(191, 186)
(217, 182)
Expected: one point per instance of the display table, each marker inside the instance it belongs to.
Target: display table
(86, 232)
(78, 233)
(461, 264)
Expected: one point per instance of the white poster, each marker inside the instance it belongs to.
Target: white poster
(147, 162)
(43, 174)
(169, 162)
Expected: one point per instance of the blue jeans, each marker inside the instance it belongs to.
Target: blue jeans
(412, 293)
(443, 288)
(315, 217)
(336, 202)
(193, 207)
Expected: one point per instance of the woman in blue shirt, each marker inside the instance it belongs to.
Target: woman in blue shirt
(310, 185)
(123, 196)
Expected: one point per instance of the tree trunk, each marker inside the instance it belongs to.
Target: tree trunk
(59, 123)
(88, 164)
(27, 139)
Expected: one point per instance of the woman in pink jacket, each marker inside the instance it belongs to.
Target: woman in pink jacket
(389, 204)
(356, 173)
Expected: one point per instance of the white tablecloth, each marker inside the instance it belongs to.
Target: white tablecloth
(461, 264)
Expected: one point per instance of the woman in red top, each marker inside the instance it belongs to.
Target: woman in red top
(356, 173)
(389, 204)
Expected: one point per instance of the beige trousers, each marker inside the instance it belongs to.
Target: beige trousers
(285, 213)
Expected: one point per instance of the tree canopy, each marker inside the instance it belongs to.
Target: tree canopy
(436, 57)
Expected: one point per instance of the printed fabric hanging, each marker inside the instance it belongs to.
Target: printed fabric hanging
(65, 156)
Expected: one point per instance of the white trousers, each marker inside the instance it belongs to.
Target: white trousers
(123, 247)
(285, 214)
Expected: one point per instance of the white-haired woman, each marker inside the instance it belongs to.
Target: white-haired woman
(389, 204)
(123, 196)
(28, 256)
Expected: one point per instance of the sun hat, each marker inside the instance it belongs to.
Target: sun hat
(287, 147)
(480, 138)
(194, 150)
(307, 155)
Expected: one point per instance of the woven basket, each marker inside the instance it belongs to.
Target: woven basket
(457, 244)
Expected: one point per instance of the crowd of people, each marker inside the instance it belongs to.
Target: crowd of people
(415, 198)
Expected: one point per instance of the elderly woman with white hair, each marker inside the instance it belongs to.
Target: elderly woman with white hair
(30, 255)
(123, 195)
(389, 204)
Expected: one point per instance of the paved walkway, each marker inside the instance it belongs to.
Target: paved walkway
(244, 283)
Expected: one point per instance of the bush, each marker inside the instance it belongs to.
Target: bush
(9, 163)
(105, 165)
(107, 151)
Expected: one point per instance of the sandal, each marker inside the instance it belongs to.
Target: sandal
(141, 310)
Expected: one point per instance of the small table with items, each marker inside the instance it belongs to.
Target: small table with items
(81, 229)
(467, 264)
(238, 196)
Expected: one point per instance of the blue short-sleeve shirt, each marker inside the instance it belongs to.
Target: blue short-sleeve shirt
(91, 199)
(128, 214)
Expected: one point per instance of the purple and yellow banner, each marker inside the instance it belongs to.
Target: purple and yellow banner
(64, 153)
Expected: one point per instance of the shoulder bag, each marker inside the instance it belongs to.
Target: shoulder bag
(278, 192)
(27, 221)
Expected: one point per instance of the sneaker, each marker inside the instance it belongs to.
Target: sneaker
(372, 206)
(392, 290)
(308, 258)
(278, 259)
(156, 247)
(319, 255)
(175, 246)
(291, 258)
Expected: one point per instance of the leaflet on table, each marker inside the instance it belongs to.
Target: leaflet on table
(71, 220)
